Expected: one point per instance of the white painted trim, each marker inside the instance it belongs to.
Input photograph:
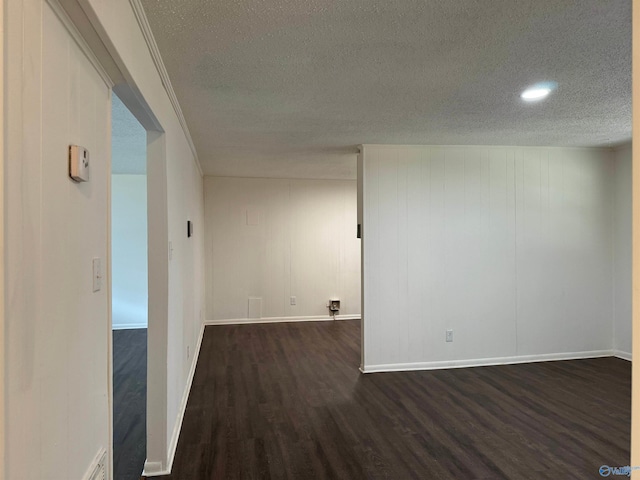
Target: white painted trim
(82, 44)
(129, 326)
(334, 180)
(484, 362)
(3, 156)
(145, 28)
(392, 146)
(158, 293)
(316, 318)
(154, 469)
(173, 444)
(622, 355)
(635, 240)
(109, 283)
(96, 463)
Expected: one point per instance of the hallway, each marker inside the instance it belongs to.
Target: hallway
(130, 402)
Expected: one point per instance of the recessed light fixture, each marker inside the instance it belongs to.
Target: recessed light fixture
(538, 91)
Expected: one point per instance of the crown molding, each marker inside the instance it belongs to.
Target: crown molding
(143, 22)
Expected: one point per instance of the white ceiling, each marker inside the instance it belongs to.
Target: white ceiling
(128, 141)
(289, 88)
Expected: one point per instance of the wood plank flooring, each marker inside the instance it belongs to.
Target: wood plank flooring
(129, 403)
(287, 401)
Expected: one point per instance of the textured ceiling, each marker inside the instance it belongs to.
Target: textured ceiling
(128, 141)
(290, 87)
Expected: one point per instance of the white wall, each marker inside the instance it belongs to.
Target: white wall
(185, 197)
(622, 253)
(57, 412)
(129, 293)
(175, 342)
(273, 239)
(635, 244)
(510, 247)
(58, 329)
(3, 161)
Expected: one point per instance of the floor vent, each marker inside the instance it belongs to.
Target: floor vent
(255, 307)
(98, 468)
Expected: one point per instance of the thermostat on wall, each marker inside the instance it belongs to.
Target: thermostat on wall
(78, 163)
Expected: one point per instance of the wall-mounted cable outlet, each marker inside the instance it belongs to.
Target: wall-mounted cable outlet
(449, 336)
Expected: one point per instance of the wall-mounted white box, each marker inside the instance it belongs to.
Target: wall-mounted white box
(78, 163)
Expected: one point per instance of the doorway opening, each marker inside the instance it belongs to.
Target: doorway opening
(129, 273)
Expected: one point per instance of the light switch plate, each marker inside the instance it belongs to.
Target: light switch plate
(78, 163)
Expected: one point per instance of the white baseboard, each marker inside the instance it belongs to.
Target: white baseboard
(484, 362)
(317, 318)
(622, 355)
(129, 326)
(98, 466)
(154, 469)
(185, 398)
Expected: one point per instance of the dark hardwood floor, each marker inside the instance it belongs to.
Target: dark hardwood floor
(288, 401)
(129, 403)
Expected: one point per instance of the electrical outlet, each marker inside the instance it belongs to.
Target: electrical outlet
(188, 352)
(292, 300)
(449, 336)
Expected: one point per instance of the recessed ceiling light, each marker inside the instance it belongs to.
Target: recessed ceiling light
(538, 91)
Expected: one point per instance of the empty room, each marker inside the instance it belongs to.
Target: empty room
(359, 239)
